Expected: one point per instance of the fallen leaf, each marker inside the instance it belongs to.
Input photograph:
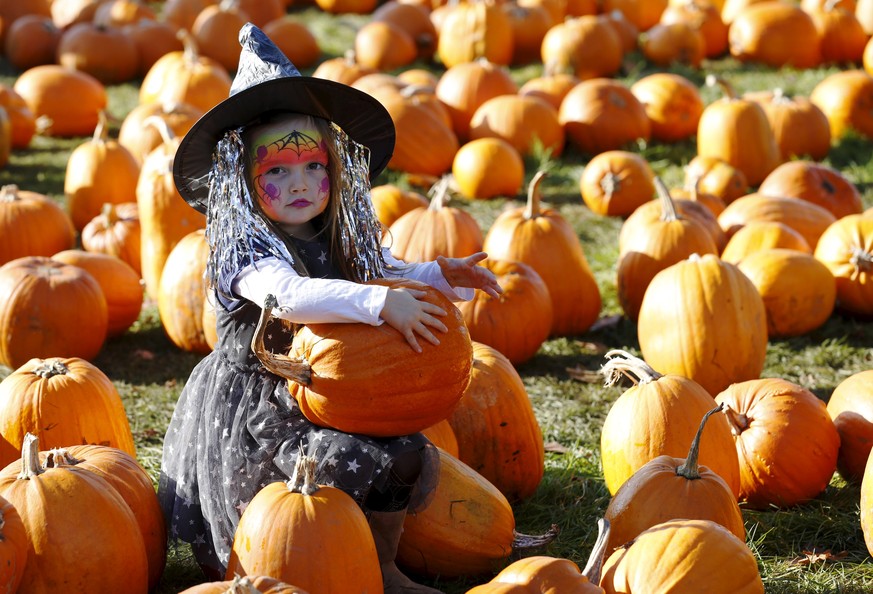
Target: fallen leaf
(816, 555)
(554, 446)
(589, 376)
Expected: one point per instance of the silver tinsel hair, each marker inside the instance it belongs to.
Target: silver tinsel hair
(238, 235)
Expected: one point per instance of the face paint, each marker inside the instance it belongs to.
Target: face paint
(289, 169)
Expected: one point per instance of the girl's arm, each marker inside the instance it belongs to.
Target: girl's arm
(455, 277)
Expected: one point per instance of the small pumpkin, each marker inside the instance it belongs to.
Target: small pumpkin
(786, 442)
(672, 103)
(846, 248)
(464, 87)
(240, 585)
(116, 232)
(488, 167)
(818, 183)
(808, 219)
(762, 235)
(181, 293)
(31, 224)
(851, 408)
(615, 183)
(310, 534)
(712, 175)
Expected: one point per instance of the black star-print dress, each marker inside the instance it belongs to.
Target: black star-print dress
(236, 429)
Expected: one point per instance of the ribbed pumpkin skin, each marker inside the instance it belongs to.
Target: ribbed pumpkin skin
(66, 511)
(32, 225)
(182, 293)
(683, 557)
(615, 183)
(771, 33)
(120, 283)
(263, 584)
(422, 234)
(498, 434)
(799, 292)
(715, 176)
(466, 530)
(418, 126)
(75, 403)
(134, 485)
(786, 443)
(116, 232)
(50, 309)
(660, 418)
(691, 318)
(473, 31)
(519, 321)
(851, 408)
(762, 235)
(672, 103)
(367, 379)
(13, 548)
(801, 128)
(320, 542)
(846, 247)
(186, 77)
(539, 574)
(808, 219)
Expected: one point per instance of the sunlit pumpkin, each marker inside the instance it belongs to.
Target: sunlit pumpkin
(474, 30)
(615, 183)
(762, 235)
(31, 224)
(800, 127)
(846, 98)
(768, 33)
(846, 248)
(808, 219)
(672, 103)
(820, 184)
(586, 47)
(851, 408)
(466, 86)
(529, 124)
(712, 175)
(46, 89)
(488, 167)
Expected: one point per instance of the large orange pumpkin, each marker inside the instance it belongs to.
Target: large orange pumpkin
(801, 128)
(50, 309)
(786, 442)
(63, 402)
(31, 224)
(585, 46)
(529, 124)
(182, 293)
(846, 98)
(768, 33)
(261, 584)
(464, 87)
(470, 31)
(808, 219)
(820, 184)
(673, 104)
(367, 379)
(68, 510)
(47, 90)
(13, 547)
(692, 316)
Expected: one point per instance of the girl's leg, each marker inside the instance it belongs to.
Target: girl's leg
(387, 511)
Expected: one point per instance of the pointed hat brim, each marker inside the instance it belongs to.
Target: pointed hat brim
(362, 117)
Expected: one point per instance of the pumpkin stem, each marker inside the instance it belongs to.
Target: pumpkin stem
(30, 467)
(532, 209)
(49, 368)
(738, 422)
(191, 52)
(101, 132)
(621, 363)
(523, 542)
(9, 193)
(610, 184)
(297, 370)
(728, 90)
(109, 213)
(691, 469)
(861, 261)
(242, 585)
(668, 207)
(162, 126)
(595, 560)
(439, 193)
(303, 478)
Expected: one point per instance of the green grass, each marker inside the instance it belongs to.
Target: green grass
(150, 371)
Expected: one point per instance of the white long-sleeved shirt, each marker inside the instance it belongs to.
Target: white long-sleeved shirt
(306, 300)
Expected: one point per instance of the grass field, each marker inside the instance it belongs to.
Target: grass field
(150, 371)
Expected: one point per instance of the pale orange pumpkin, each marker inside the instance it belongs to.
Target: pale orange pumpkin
(470, 31)
(786, 442)
(841, 35)
(418, 125)
(768, 33)
(808, 219)
(586, 47)
(140, 136)
(672, 103)
(464, 87)
(261, 584)
(691, 316)
(762, 235)
(182, 291)
(705, 17)
(552, 87)
(799, 292)
(46, 89)
(391, 202)
(115, 232)
(384, 46)
(846, 248)
(737, 131)
(712, 175)
(529, 124)
(800, 127)
(846, 98)
(488, 167)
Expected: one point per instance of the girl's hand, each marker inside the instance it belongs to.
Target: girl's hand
(463, 272)
(405, 311)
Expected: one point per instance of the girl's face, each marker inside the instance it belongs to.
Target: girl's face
(289, 172)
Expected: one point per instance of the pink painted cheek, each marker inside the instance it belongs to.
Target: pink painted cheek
(325, 185)
(271, 191)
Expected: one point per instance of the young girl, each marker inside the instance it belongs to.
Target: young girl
(282, 169)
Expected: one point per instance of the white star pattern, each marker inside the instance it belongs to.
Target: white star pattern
(353, 466)
(241, 506)
(323, 257)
